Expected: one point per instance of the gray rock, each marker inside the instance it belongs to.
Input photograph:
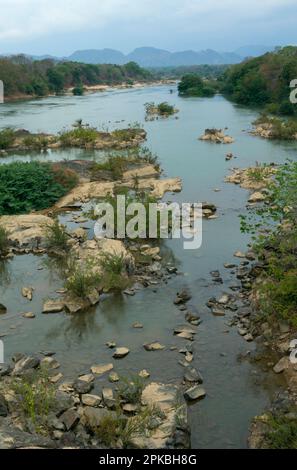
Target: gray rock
(194, 393)
(282, 365)
(91, 400)
(53, 306)
(3, 406)
(192, 375)
(28, 315)
(82, 387)
(5, 369)
(154, 346)
(108, 398)
(92, 417)
(120, 353)
(3, 309)
(70, 418)
(26, 363)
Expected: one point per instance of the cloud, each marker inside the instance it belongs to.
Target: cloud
(26, 20)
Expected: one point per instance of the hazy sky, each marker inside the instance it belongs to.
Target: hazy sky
(61, 26)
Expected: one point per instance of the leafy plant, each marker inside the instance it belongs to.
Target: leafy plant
(35, 395)
(282, 433)
(4, 243)
(7, 138)
(82, 279)
(30, 186)
(57, 237)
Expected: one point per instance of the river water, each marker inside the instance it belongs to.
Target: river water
(236, 390)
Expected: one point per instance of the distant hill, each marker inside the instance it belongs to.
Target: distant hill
(99, 56)
(154, 57)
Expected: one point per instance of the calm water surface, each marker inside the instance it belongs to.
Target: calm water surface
(236, 390)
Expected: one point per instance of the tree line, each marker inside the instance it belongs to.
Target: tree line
(23, 76)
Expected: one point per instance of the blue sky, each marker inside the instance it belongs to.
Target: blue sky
(59, 27)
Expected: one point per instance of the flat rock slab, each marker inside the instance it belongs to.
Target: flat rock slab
(101, 369)
(154, 346)
(90, 400)
(194, 393)
(53, 306)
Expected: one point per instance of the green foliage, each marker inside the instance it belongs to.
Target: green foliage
(35, 395)
(274, 229)
(115, 427)
(4, 243)
(114, 272)
(78, 90)
(130, 389)
(56, 237)
(25, 187)
(24, 76)
(79, 136)
(193, 85)
(264, 80)
(117, 163)
(163, 109)
(36, 142)
(282, 433)
(7, 138)
(145, 199)
(82, 279)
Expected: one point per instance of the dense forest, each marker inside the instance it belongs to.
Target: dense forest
(22, 76)
(192, 85)
(264, 81)
(203, 71)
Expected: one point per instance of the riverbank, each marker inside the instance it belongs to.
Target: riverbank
(269, 287)
(90, 89)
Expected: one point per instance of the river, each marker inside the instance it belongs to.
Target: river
(236, 390)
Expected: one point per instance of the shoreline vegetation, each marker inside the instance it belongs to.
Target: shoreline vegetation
(270, 287)
(24, 78)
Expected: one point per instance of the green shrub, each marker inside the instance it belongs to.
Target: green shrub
(130, 389)
(4, 243)
(114, 272)
(57, 237)
(37, 142)
(25, 187)
(35, 395)
(7, 138)
(278, 220)
(78, 90)
(193, 85)
(82, 280)
(80, 136)
(282, 433)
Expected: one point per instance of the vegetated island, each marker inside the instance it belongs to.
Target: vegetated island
(81, 136)
(193, 85)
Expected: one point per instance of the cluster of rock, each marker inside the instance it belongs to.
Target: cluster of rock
(217, 136)
(125, 138)
(192, 379)
(75, 412)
